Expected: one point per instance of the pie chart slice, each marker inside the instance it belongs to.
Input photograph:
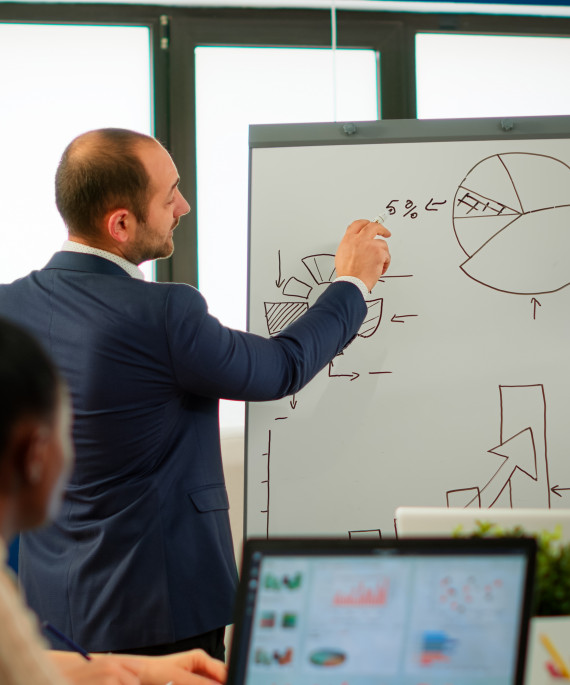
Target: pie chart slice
(321, 267)
(373, 317)
(490, 180)
(473, 234)
(541, 182)
(528, 256)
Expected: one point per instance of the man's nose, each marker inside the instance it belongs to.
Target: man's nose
(182, 207)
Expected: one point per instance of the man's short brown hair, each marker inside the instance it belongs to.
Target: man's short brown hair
(100, 171)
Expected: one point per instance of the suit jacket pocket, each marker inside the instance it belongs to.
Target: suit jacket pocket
(210, 498)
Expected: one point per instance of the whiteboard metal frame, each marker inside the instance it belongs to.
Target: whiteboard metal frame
(407, 130)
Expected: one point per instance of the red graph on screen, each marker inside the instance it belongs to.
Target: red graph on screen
(362, 595)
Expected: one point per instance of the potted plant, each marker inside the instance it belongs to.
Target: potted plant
(552, 578)
(548, 649)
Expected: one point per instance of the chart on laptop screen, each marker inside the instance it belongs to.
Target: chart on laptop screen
(405, 620)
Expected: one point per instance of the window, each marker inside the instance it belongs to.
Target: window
(236, 87)
(62, 80)
(481, 76)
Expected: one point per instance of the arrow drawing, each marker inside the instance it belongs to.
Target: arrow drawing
(519, 453)
(534, 302)
(396, 318)
(556, 489)
(353, 375)
(293, 402)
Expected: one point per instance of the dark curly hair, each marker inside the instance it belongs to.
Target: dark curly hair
(29, 380)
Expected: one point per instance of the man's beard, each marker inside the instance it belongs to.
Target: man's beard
(147, 250)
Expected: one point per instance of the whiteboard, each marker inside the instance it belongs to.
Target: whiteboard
(456, 391)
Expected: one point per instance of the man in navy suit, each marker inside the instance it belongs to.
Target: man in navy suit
(140, 557)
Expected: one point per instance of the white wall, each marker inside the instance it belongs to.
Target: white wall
(233, 458)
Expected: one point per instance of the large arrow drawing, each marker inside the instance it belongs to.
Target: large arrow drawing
(518, 452)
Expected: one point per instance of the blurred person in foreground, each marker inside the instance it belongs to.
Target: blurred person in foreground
(35, 461)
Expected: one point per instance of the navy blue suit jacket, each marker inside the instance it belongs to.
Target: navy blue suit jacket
(141, 553)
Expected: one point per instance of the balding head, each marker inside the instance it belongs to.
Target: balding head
(99, 172)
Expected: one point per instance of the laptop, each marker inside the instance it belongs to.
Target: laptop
(444, 521)
(382, 612)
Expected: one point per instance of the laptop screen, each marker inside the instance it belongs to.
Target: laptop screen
(335, 612)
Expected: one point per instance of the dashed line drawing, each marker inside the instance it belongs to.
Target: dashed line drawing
(513, 228)
(523, 449)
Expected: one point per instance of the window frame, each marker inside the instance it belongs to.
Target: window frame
(175, 32)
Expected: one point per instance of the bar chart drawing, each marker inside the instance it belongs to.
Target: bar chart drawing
(523, 451)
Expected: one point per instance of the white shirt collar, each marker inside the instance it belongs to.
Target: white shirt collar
(129, 267)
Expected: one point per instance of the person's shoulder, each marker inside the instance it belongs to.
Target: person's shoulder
(19, 285)
(167, 288)
(170, 295)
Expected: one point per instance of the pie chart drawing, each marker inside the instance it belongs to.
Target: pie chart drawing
(511, 217)
(321, 267)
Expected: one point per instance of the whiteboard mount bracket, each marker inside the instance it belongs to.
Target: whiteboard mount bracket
(507, 124)
(350, 128)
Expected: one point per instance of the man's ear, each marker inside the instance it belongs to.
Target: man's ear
(119, 224)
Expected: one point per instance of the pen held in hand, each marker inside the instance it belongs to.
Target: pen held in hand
(380, 218)
(66, 640)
